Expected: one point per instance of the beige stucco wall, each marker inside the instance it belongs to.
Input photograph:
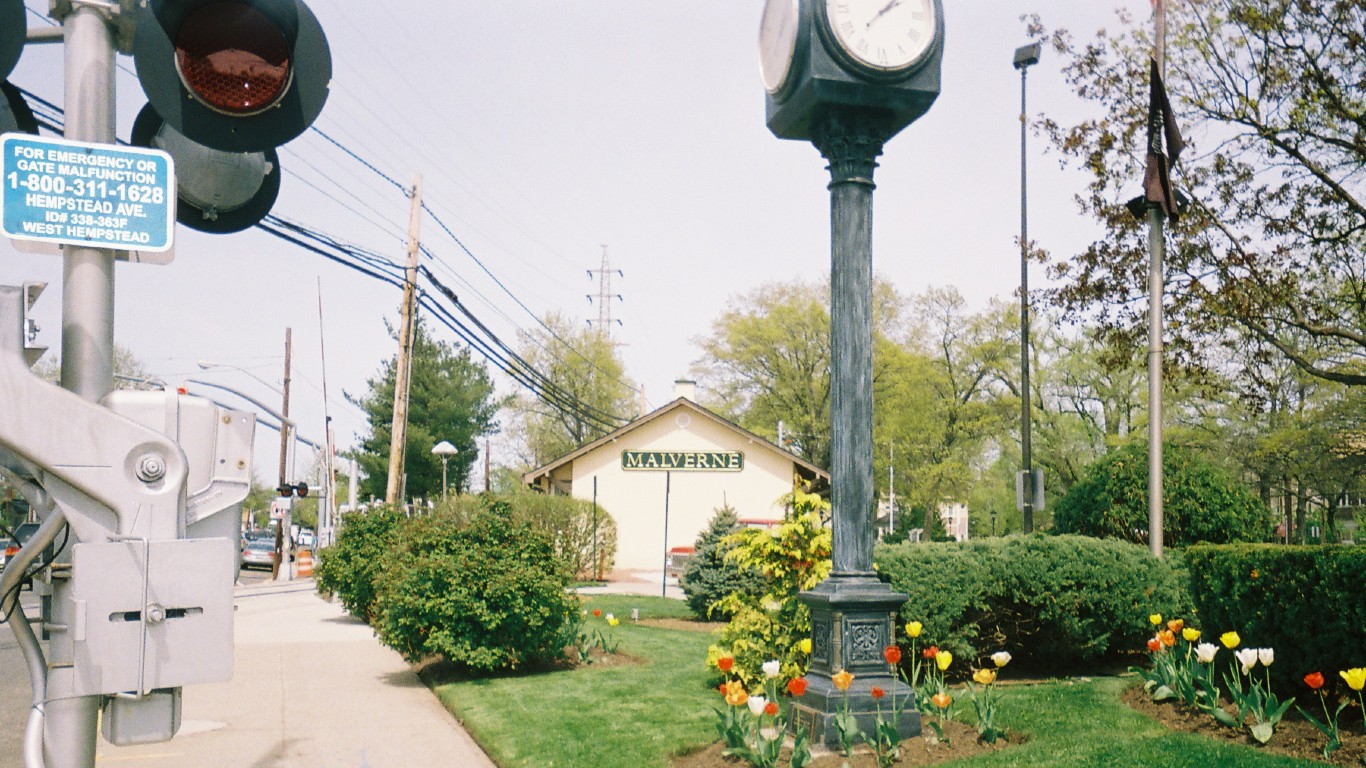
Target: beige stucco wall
(635, 498)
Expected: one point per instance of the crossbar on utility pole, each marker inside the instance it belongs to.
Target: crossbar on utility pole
(398, 440)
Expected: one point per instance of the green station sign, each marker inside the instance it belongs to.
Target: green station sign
(683, 461)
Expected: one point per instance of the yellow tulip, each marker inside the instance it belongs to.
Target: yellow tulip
(804, 645)
(1230, 640)
(913, 629)
(942, 660)
(1355, 677)
(1155, 618)
(842, 679)
(984, 676)
(735, 693)
(1191, 634)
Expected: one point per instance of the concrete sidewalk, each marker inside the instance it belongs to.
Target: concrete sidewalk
(313, 688)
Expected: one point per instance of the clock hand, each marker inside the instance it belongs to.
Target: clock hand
(889, 6)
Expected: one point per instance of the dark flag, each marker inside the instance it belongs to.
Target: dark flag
(1157, 183)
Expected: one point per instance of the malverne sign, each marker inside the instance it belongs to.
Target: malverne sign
(724, 461)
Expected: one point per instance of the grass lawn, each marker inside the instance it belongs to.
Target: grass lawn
(640, 715)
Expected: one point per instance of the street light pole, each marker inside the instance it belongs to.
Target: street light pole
(1024, 57)
(445, 450)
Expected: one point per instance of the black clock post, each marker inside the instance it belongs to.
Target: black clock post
(832, 83)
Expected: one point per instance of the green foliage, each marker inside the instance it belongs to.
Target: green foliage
(1200, 502)
(451, 398)
(584, 363)
(794, 556)
(711, 576)
(569, 523)
(1056, 598)
(488, 594)
(1305, 602)
(350, 568)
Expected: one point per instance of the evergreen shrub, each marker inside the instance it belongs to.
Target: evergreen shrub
(1201, 503)
(709, 576)
(1048, 599)
(350, 568)
(1303, 601)
(487, 593)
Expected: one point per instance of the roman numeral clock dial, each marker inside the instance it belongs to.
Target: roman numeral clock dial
(882, 35)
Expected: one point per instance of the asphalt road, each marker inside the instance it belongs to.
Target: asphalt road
(15, 693)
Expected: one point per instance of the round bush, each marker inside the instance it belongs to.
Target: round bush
(1052, 599)
(488, 594)
(350, 567)
(1200, 502)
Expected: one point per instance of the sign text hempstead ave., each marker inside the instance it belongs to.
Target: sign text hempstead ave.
(94, 195)
(724, 461)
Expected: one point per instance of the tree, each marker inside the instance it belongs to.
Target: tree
(451, 398)
(588, 394)
(1201, 503)
(945, 399)
(710, 576)
(1270, 252)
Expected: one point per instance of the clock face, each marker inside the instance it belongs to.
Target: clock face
(777, 42)
(882, 35)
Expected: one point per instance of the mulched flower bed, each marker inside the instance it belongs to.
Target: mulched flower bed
(1294, 736)
(917, 751)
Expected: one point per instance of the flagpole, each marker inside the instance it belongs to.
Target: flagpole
(1156, 254)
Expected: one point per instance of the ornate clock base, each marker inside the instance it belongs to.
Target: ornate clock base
(853, 620)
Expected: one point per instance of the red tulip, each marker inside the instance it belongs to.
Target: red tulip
(892, 654)
(771, 708)
(930, 652)
(724, 663)
(796, 686)
(1314, 680)
(878, 692)
(1154, 644)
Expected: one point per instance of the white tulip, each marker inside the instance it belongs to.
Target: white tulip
(772, 668)
(756, 704)
(1204, 652)
(1246, 657)
(1000, 658)
(1266, 656)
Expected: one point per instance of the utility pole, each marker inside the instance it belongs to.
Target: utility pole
(281, 550)
(398, 441)
(891, 486)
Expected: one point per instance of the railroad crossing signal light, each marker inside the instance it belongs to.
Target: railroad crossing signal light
(300, 490)
(233, 75)
(13, 30)
(217, 192)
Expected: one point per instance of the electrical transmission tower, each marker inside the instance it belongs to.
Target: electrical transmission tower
(604, 296)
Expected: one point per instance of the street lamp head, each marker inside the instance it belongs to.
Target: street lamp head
(1027, 55)
(444, 449)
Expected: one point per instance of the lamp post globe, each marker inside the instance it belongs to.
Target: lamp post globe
(445, 450)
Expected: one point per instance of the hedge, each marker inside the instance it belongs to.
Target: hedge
(1303, 601)
(1049, 599)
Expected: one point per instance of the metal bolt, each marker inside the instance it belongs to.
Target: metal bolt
(151, 468)
(155, 614)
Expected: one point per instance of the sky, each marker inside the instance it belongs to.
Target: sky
(545, 132)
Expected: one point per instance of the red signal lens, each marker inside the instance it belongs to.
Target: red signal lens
(233, 57)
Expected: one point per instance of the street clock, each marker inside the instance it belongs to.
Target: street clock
(819, 57)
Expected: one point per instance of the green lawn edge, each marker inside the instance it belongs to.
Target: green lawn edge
(641, 715)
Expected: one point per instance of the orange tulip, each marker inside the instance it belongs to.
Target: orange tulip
(842, 679)
(942, 700)
(735, 694)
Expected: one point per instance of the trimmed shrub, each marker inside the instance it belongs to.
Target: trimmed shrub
(350, 568)
(569, 523)
(1305, 602)
(1201, 504)
(488, 594)
(1052, 599)
(710, 576)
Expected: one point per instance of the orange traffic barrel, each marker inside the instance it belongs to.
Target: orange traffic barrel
(304, 561)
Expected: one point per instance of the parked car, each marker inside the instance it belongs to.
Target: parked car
(22, 534)
(307, 539)
(258, 554)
